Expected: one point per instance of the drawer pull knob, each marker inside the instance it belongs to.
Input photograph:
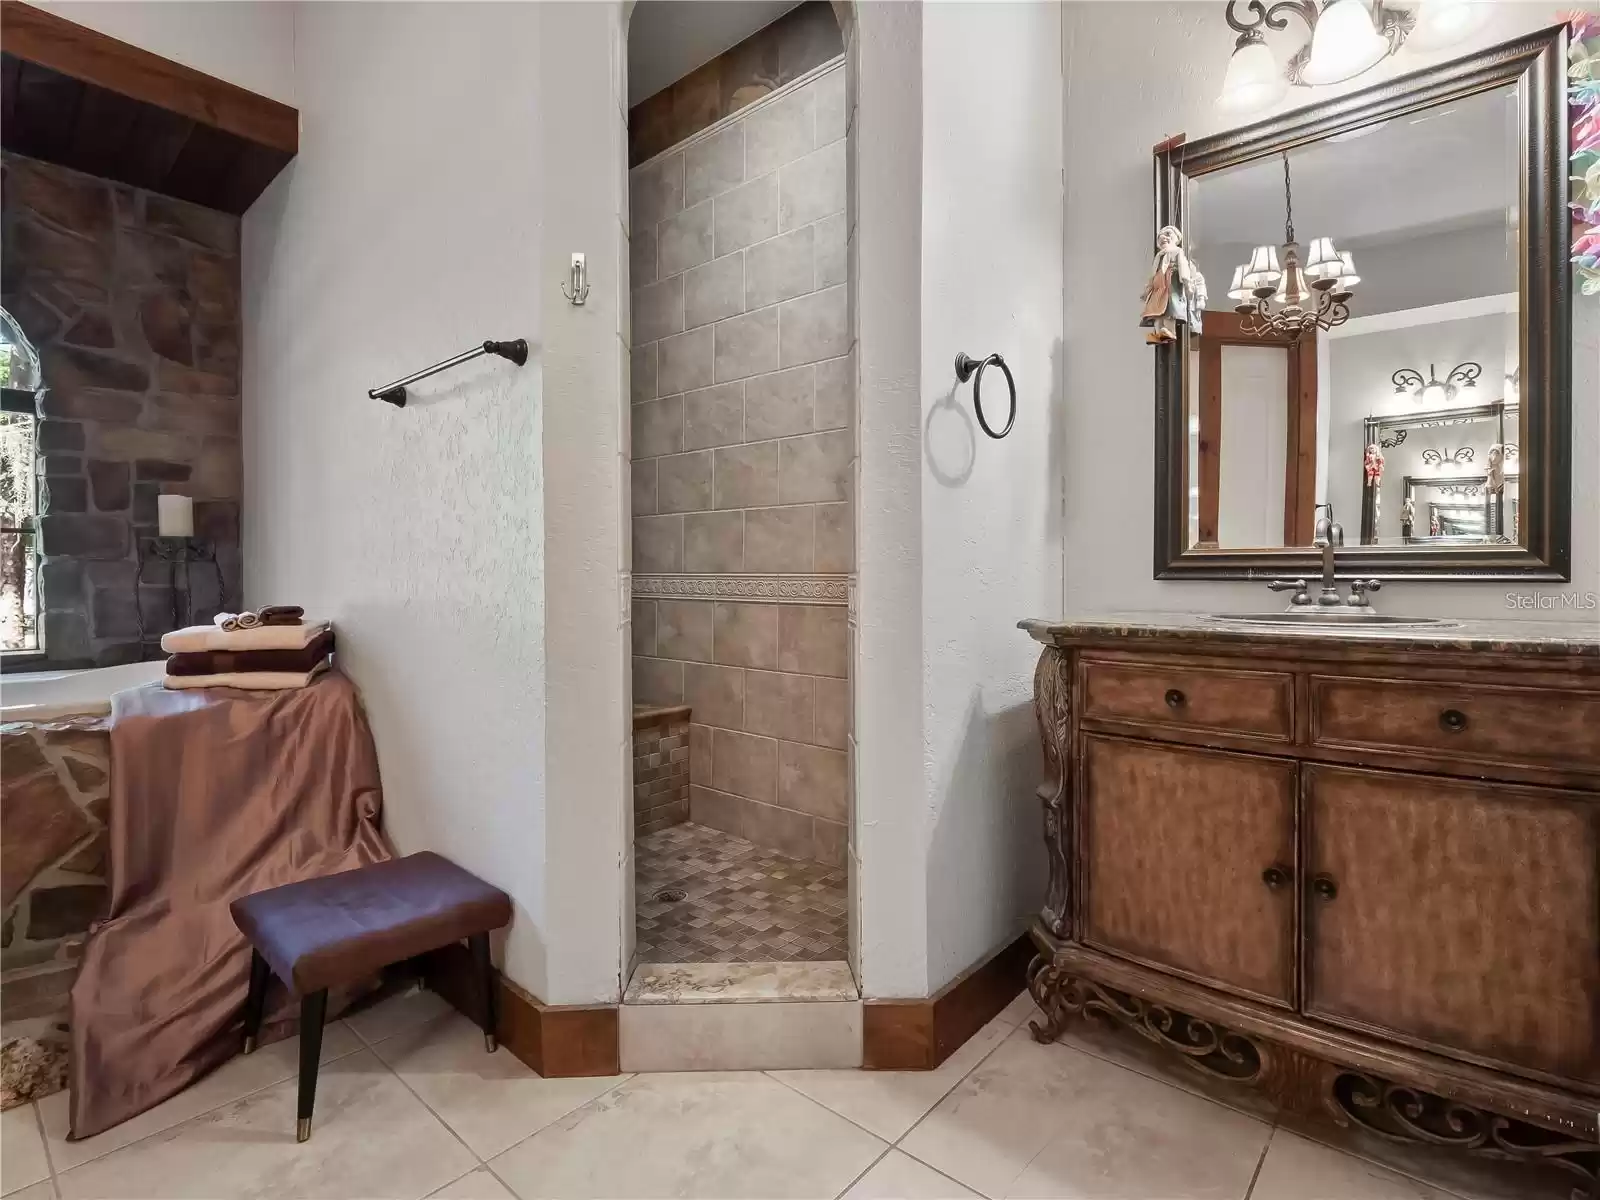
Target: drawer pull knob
(1175, 698)
(1275, 876)
(1452, 720)
(1325, 887)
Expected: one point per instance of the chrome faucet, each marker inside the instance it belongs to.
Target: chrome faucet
(1328, 536)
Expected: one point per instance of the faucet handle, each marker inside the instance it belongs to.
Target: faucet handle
(1297, 586)
(1359, 589)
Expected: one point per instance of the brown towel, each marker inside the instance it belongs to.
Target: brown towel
(280, 614)
(225, 662)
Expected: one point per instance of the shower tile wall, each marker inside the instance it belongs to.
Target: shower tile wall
(742, 383)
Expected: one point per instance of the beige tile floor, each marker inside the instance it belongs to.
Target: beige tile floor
(410, 1106)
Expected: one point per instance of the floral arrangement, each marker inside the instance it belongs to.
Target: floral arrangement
(1583, 105)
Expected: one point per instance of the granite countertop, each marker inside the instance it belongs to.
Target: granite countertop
(1505, 634)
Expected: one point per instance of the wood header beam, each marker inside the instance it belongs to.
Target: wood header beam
(36, 36)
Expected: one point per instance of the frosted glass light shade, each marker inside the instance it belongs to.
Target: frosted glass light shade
(1254, 79)
(1442, 23)
(1434, 395)
(1344, 44)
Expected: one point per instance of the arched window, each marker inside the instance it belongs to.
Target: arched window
(21, 382)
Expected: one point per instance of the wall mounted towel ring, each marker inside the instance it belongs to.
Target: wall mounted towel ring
(395, 393)
(965, 367)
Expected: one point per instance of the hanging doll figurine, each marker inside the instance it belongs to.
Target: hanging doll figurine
(1372, 464)
(1496, 482)
(1167, 296)
(1197, 297)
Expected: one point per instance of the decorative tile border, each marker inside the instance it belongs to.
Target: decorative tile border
(765, 589)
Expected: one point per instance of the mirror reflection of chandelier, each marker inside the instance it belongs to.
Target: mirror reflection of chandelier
(1433, 392)
(1278, 297)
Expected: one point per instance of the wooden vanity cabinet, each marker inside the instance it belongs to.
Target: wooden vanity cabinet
(1360, 874)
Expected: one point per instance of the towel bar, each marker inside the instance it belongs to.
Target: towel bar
(395, 393)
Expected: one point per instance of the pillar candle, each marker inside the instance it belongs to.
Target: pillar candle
(175, 516)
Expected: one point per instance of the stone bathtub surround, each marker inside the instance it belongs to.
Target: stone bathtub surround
(660, 767)
(742, 379)
(133, 301)
(53, 841)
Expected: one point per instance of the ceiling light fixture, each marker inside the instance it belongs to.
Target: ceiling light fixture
(1348, 37)
(1316, 295)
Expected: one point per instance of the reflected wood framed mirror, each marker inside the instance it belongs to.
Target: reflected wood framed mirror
(1431, 407)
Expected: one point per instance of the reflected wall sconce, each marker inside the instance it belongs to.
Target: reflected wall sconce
(1432, 392)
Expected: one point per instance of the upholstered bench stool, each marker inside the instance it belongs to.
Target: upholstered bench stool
(341, 929)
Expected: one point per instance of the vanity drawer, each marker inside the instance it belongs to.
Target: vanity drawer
(1471, 722)
(1253, 703)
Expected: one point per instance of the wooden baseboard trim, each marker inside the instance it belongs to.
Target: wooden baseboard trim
(918, 1035)
(557, 1041)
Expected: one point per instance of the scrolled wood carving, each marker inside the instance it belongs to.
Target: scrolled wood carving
(1208, 1047)
(1052, 705)
(1407, 1114)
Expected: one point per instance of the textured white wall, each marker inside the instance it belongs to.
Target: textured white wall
(959, 175)
(1136, 73)
(246, 42)
(892, 820)
(589, 729)
(991, 510)
(407, 230)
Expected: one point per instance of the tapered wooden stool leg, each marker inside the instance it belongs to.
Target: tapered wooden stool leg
(313, 1009)
(479, 944)
(255, 1001)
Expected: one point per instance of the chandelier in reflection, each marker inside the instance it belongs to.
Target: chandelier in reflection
(1278, 297)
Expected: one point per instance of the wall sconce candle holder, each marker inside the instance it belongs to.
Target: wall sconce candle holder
(1348, 37)
(1434, 392)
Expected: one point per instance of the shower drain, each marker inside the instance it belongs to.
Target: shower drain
(670, 895)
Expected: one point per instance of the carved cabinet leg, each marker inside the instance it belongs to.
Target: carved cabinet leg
(1052, 705)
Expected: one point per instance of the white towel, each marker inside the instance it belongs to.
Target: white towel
(232, 622)
(199, 638)
(251, 681)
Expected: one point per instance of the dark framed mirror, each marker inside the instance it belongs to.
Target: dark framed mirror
(1389, 316)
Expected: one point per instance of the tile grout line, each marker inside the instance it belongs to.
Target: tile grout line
(1275, 1122)
(1260, 1162)
(428, 1108)
(866, 1170)
(44, 1143)
(361, 1045)
(623, 1077)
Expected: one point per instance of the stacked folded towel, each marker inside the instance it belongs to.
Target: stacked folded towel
(271, 649)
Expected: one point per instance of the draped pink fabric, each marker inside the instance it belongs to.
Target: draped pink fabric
(214, 794)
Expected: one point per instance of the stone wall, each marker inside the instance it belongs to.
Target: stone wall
(133, 301)
(660, 768)
(54, 807)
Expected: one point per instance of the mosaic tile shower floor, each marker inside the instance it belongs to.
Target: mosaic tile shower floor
(741, 902)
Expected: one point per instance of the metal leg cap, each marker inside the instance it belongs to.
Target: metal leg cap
(249, 1045)
(489, 1043)
(302, 1129)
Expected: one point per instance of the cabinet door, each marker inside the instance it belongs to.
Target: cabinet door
(1188, 862)
(1459, 916)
